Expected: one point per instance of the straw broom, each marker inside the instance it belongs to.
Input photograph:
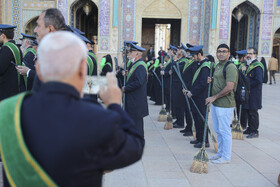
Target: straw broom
(200, 161)
(237, 130)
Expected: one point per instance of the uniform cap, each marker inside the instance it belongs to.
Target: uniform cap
(6, 27)
(26, 36)
(134, 47)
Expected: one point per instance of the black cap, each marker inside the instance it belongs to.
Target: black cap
(26, 36)
(4, 27)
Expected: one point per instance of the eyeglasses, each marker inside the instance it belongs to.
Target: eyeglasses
(250, 53)
(222, 52)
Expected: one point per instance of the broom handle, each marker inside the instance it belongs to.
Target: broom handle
(239, 117)
(186, 97)
(170, 90)
(162, 88)
(207, 109)
(124, 80)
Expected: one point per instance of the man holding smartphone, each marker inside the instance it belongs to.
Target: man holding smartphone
(11, 82)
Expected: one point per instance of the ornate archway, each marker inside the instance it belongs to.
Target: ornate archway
(30, 26)
(245, 26)
(84, 16)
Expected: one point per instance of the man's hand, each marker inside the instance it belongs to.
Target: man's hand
(22, 70)
(170, 72)
(209, 80)
(184, 91)
(210, 100)
(112, 95)
(189, 94)
(123, 89)
(162, 72)
(244, 68)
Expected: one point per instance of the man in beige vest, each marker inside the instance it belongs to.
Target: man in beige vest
(272, 68)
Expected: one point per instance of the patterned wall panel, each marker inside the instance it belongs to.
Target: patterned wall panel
(266, 27)
(207, 16)
(16, 19)
(38, 5)
(278, 2)
(194, 21)
(27, 15)
(251, 28)
(63, 7)
(224, 20)
(128, 20)
(104, 25)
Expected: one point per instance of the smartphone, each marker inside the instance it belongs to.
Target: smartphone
(93, 84)
(13, 63)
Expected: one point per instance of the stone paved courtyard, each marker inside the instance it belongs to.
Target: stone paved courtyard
(168, 155)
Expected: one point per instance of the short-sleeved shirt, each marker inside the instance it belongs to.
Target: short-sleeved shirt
(219, 83)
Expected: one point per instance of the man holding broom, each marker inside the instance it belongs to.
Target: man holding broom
(222, 104)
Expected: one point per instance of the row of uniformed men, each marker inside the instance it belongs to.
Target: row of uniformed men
(194, 69)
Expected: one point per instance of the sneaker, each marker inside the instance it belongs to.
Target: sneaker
(253, 135)
(220, 161)
(214, 157)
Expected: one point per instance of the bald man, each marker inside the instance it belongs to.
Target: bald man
(62, 144)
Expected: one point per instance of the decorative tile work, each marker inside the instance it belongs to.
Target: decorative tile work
(128, 20)
(278, 3)
(207, 16)
(267, 26)
(257, 30)
(36, 5)
(195, 22)
(251, 28)
(224, 20)
(27, 15)
(16, 20)
(104, 25)
(277, 11)
(63, 7)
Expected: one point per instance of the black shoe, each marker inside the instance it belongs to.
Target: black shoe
(199, 145)
(247, 131)
(175, 125)
(253, 135)
(194, 142)
(183, 131)
(270, 83)
(187, 134)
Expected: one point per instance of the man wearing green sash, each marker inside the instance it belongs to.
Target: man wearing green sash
(250, 115)
(52, 137)
(135, 89)
(198, 92)
(11, 82)
(28, 60)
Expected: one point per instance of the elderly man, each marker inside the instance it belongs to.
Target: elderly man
(52, 136)
(255, 73)
(135, 89)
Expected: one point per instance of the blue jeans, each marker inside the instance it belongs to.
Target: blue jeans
(222, 118)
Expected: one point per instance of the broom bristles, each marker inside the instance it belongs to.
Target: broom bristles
(200, 162)
(169, 123)
(237, 132)
(162, 115)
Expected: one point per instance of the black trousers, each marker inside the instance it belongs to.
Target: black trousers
(199, 127)
(252, 118)
(139, 124)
